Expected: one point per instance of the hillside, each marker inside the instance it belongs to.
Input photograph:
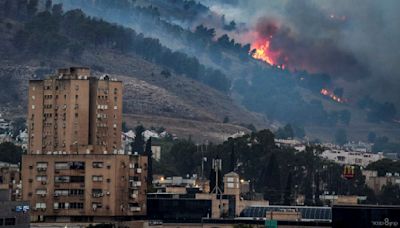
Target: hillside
(191, 74)
(149, 93)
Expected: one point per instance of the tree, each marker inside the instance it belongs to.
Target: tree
(124, 127)
(287, 198)
(149, 154)
(184, 157)
(285, 133)
(226, 119)
(138, 143)
(10, 153)
(233, 158)
(390, 194)
(272, 180)
(18, 125)
(32, 7)
(341, 137)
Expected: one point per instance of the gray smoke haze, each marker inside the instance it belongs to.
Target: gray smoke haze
(356, 41)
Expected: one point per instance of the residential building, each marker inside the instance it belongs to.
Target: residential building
(10, 179)
(376, 182)
(351, 157)
(12, 213)
(75, 169)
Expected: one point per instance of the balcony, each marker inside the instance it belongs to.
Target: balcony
(97, 195)
(41, 169)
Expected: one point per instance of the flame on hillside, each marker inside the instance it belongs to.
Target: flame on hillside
(333, 96)
(261, 50)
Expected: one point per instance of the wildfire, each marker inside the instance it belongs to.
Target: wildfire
(262, 51)
(334, 97)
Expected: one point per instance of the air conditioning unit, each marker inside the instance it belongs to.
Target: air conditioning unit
(133, 196)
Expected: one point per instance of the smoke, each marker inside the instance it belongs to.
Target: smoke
(355, 41)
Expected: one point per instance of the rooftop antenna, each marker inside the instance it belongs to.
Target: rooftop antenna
(217, 166)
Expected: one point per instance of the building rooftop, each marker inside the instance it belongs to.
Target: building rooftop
(307, 213)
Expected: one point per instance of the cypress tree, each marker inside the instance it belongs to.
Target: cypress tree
(149, 154)
(138, 143)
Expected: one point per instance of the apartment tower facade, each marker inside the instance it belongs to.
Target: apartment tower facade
(75, 168)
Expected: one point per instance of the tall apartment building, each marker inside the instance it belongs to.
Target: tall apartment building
(75, 168)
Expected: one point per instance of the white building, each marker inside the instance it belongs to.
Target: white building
(351, 157)
(292, 143)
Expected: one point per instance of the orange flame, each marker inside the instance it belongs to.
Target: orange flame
(262, 51)
(334, 97)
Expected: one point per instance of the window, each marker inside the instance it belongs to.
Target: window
(61, 179)
(77, 179)
(9, 221)
(341, 158)
(97, 164)
(61, 192)
(41, 192)
(96, 205)
(76, 205)
(40, 206)
(41, 166)
(61, 205)
(61, 165)
(97, 193)
(33, 97)
(41, 178)
(97, 178)
(69, 179)
(78, 165)
(33, 106)
(76, 192)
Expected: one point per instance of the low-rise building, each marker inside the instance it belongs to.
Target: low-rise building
(376, 182)
(10, 178)
(351, 157)
(12, 213)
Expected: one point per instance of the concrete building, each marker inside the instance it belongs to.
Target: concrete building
(351, 157)
(178, 203)
(376, 182)
(73, 113)
(10, 179)
(12, 213)
(75, 169)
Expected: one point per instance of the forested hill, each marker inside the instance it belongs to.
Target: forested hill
(43, 32)
(160, 82)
